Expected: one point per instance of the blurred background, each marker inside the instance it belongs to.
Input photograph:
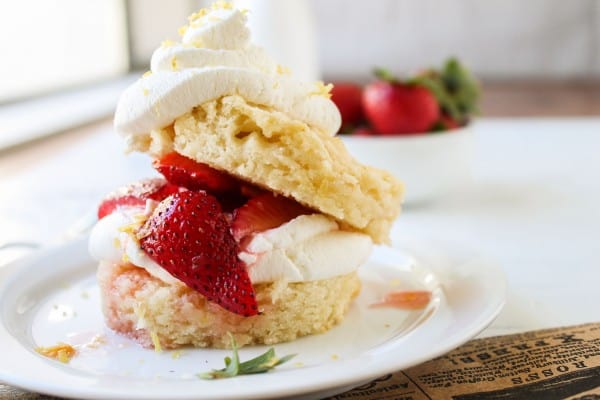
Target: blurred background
(539, 57)
(65, 63)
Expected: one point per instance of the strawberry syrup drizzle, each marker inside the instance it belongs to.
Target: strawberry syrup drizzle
(405, 300)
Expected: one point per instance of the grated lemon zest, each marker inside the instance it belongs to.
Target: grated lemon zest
(167, 43)
(174, 66)
(281, 70)
(223, 5)
(62, 352)
(97, 341)
(156, 342)
(321, 89)
(156, 110)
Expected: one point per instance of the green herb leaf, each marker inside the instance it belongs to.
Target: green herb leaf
(258, 365)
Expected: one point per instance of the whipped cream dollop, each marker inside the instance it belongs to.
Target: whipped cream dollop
(307, 248)
(216, 58)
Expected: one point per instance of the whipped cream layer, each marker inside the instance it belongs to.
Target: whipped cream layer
(215, 58)
(307, 248)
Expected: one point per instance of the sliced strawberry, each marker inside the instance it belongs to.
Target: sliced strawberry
(193, 175)
(136, 194)
(188, 235)
(265, 211)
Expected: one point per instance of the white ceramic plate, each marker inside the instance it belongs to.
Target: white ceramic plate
(52, 297)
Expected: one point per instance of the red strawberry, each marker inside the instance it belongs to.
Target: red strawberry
(136, 194)
(363, 131)
(393, 107)
(446, 122)
(348, 99)
(188, 235)
(193, 175)
(265, 211)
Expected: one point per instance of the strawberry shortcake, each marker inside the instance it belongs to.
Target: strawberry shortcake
(260, 218)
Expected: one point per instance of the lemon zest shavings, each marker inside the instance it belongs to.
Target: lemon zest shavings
(62, 352)
(282, 70)
(174, 66)
(156, 342)
(223, 5)
(321, 89)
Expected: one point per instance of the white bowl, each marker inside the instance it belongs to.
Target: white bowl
(429, 165)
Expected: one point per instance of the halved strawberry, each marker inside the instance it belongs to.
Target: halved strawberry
(136, 194)
(184, 171)
(265, 211)
(188, 235)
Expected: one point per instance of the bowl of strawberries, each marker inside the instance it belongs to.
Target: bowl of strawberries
(417, 128)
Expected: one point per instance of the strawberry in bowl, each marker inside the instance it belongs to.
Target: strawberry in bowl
(393, 107)
(418, 128)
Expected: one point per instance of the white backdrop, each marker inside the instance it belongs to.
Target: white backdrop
(497, 38)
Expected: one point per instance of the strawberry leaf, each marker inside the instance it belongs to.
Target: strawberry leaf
(462, 86)
(385, 75)
(455, 89)
(438, 89)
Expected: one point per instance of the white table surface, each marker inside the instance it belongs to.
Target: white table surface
(533, 208)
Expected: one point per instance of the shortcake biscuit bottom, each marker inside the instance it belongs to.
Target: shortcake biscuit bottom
(146, 309)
